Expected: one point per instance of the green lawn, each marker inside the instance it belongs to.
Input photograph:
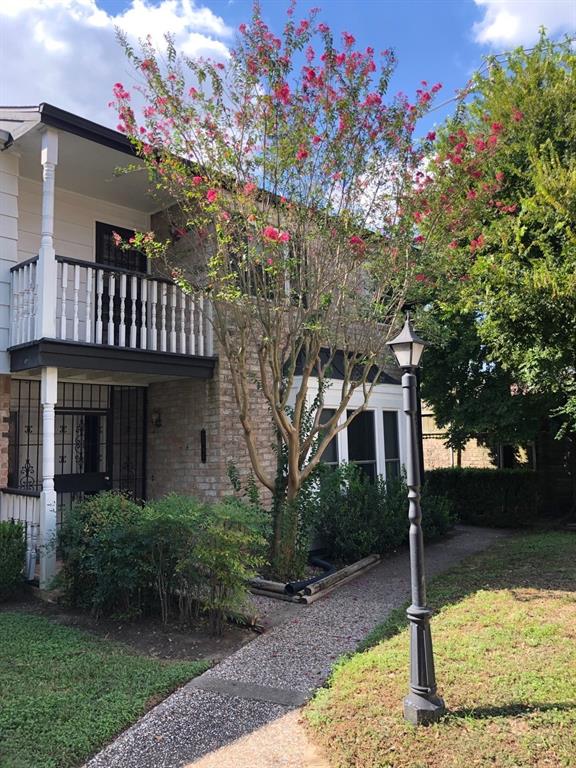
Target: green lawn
(64, 694)
(505, 648)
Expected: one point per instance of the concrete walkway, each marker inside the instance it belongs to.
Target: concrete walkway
(242, 712)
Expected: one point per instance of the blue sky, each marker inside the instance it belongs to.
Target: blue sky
(71, 59)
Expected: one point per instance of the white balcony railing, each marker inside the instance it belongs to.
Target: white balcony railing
(110, 306)
(24, 507)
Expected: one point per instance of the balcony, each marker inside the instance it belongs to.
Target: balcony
(112, 319)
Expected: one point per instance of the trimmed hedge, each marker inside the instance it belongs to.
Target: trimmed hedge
(499, 498)
(12, 552)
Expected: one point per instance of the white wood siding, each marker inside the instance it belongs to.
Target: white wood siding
(8, 246)
(75, 217)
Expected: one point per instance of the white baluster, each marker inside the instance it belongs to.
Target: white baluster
(122, 329)
(25, 302)
(182, 322)
(20, 308)
(133, 329)
(64, 283)
(111, 295)
(209, 329)
(153, 309)
(33, 302)
(201, 328)
(173, 319)
(144, 327)
(15, 309)
(192, 325)
(88, 316)
(164, 292)
(76, 321)
(99, 292)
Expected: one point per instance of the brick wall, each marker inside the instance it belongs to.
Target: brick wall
(177, 412)
(437, 455)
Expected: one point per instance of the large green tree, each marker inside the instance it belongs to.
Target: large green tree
(504, 282)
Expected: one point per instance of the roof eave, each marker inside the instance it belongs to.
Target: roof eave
(66, 121)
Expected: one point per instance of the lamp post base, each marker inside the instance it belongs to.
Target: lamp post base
(420, 710)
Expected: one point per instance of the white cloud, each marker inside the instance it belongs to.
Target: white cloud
(516, 22)
(65, 52)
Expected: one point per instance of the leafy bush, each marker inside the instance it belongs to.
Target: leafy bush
(355, 517)
(172, 556)
(102, 552)
(203, 555)
(503, 498)
(12, 552)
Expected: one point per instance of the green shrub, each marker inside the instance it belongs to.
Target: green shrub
(502, 498)
(102, 551)
(175, 556)
(203, 555)
(345, 513)
(12, 553)
(355, 517)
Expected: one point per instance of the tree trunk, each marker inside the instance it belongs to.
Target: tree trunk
(284, 555)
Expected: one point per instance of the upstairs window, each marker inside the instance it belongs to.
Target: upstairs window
(110, 255)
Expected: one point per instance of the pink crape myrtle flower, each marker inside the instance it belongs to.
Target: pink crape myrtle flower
(357, 243)
(212, 195)
(282, 93)
(275, 235)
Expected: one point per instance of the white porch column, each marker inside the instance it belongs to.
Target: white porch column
(46, 275)
(48, 396)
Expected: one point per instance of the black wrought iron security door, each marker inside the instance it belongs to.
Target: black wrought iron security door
(100, 440)
(81, 450)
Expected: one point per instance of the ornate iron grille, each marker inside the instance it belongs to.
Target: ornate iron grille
(100, 440)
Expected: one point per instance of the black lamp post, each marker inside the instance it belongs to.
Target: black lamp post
(422, 705)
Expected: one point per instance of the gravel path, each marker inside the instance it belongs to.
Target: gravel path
(277, 672)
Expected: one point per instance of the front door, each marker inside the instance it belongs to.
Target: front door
(81, 452)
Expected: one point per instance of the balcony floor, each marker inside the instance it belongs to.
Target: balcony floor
(77, 356)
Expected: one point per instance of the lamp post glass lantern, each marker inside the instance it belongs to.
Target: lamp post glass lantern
(422, 705)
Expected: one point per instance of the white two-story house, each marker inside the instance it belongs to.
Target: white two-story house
(109, 377)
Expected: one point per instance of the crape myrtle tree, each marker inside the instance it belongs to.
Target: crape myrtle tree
(295, 187)
(503, 280)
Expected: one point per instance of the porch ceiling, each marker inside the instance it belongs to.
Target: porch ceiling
(97, 377)
(90, 169)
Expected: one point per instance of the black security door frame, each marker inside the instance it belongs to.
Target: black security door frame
(123, 407)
